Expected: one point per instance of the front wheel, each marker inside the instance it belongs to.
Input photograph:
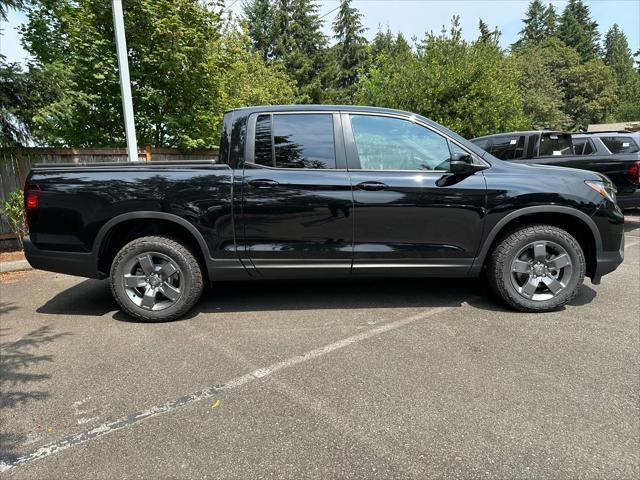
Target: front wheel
(537, 268)
(156, 279)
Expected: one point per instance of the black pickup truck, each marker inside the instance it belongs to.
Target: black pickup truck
(324, 191)
(583, 151)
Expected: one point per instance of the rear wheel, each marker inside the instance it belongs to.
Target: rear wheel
(156, 279)
(537, 268)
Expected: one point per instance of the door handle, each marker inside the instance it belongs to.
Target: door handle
(372, 186)
(263, 183)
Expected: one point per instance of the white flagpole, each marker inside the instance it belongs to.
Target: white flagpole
(125, 83)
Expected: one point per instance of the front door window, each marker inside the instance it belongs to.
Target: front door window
(387, 143)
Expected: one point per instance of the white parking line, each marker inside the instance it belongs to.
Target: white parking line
(121, 423)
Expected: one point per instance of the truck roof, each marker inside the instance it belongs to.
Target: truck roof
(317, 108)
(621, 133)
(522, 132)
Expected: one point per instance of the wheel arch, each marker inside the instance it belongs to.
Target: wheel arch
(124, 228)
(576, 222)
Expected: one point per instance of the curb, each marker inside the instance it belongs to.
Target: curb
(14, 266)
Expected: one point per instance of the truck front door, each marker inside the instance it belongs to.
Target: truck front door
(411, 216)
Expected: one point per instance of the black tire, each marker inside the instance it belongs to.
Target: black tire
(513, 251)
(173, 293)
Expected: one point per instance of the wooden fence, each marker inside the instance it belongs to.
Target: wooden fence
(16, 163)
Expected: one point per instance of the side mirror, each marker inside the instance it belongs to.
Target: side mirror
(462, 164)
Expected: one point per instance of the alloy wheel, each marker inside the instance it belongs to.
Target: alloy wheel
(153, 281)
(541, 270)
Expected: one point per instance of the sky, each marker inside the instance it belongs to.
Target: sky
(415, 17)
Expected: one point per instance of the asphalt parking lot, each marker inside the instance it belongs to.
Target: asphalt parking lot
(370, 379)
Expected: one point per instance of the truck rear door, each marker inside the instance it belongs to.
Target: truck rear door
(297, 202)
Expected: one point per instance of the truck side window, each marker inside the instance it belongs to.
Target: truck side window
(582, 146)
(295, 141)
(264, 145)
(507, 148)
(386, 143)
(304, 141)
(620, 144)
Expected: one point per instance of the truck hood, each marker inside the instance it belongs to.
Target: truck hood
(551, 170)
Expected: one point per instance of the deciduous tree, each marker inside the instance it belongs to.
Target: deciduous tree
(542, 91)
(181, 56)
(471, 87)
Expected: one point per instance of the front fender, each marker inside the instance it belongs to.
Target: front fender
(478, 262)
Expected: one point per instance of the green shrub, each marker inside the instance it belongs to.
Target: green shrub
(13, 210)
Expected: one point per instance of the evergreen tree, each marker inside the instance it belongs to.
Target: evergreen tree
(402, 46)
(350, 50)
(385, 43)
(535, 27)
(6, 5)
(488, 36)
(617, 55)
(259, 18)
(540, 23)
(577, 30)
(550, 19)
(299, 45)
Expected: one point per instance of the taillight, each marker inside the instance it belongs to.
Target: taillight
(32, 200)
(634, 172)
(31, 203)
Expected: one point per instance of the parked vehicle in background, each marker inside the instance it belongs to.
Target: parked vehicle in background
(620, 144)
(617, 155)
(324, 191)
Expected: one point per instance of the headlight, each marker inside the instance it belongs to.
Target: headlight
(607, 192)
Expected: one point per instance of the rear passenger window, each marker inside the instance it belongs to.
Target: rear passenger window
(620, 144)
(295, 141)
(507, 148)
(583, 146)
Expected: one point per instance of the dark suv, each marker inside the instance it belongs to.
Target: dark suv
(617, 145)
(615, 155)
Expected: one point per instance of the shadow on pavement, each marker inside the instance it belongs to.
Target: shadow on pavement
(586, 294)
(287, 295)
(19, 384)
(93, 297)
